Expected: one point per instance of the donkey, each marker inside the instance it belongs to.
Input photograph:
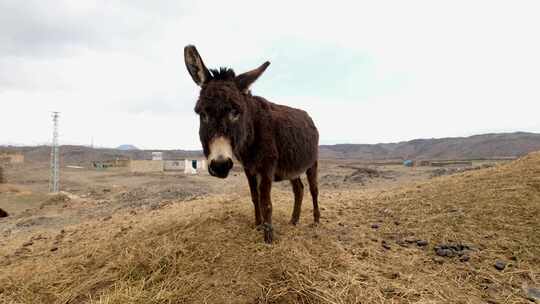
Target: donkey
(272, 142)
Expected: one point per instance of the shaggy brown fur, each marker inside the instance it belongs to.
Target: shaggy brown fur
(272, 142)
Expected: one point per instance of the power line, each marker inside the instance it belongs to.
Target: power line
(54, 182)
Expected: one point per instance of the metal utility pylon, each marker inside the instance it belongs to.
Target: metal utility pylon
(54, 182)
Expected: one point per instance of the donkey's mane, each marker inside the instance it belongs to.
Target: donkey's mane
(223, 73)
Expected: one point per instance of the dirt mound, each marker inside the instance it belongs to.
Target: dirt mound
(355, 175)
(361, 174)
(371, 247)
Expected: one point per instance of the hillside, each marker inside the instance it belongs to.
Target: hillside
(371, 247)
(85, 155)
(473, 147)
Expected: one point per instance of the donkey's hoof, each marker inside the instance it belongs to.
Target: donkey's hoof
(293, 221)
(268, 237)
(259, 227)
(268, 233)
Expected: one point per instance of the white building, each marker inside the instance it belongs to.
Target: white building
(157, 155)
(192, 165)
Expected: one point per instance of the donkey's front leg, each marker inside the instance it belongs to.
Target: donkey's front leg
(265, 187)
(252, 180)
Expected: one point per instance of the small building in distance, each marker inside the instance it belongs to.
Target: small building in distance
(191, 166)
(110, 163)
(157, 155)
(146, 166)
(188, 166)
(174, 165)
(408, 163)
(11, 158)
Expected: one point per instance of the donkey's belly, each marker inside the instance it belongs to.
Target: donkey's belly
(297, 143)
(281, 175)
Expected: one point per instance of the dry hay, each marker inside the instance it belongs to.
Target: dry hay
(206, 251)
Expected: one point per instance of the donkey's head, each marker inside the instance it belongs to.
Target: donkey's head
(225, 121)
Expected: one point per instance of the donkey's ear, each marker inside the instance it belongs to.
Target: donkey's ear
(195, 65)
(245, 80)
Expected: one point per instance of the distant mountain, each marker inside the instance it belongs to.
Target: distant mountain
(473, 147)
(84, 155)
(126, 147)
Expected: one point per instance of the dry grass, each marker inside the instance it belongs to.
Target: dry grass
(206, 251)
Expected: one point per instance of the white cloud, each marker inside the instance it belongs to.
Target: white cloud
(115, 69)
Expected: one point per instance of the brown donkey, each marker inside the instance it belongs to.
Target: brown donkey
(272, 142)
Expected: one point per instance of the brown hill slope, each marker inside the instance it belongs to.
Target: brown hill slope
(207, 251)
(82, 155)
(473, 147)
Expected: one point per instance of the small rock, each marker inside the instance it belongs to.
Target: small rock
(107, 218)
(26, 244)
(375, 226)
(386, 246)
(500, 265)
(411, 240)
(464, 258)
(421, 243)
(451, 249)
(21, 251)
(402, 244)
(532, 293)
(54, 249)
(444, 252)
(396, 223)
(341, 224)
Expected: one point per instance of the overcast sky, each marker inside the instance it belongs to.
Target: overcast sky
(367, 72)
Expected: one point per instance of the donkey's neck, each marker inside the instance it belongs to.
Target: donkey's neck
(248, 151)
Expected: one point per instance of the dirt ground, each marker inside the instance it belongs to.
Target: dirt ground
(389, 234)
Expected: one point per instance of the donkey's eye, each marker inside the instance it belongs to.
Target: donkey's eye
(234, 115)
(204, 117)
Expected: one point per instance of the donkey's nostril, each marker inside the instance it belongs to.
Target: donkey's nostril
(220, 167)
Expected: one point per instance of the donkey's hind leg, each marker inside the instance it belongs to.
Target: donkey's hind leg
(314, 189)
(298, 189)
